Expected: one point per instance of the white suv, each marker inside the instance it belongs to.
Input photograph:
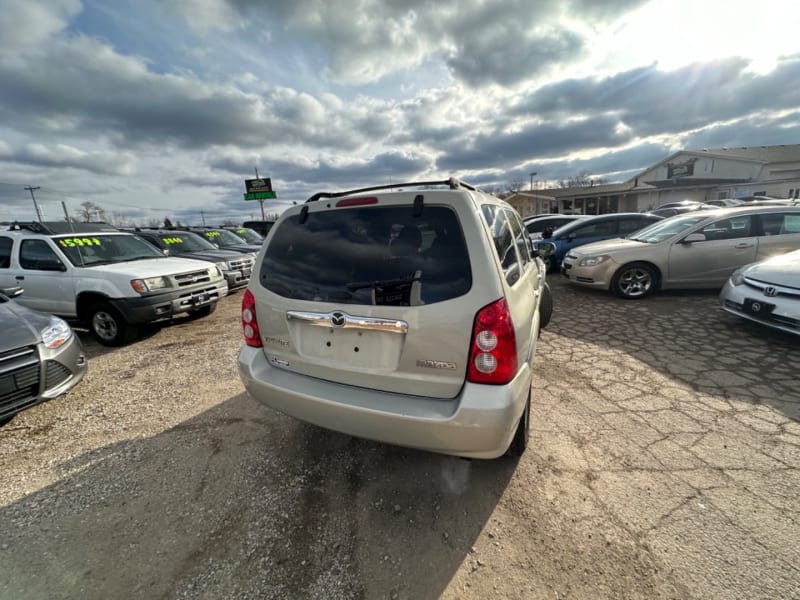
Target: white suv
(409, 317)
(111, 280)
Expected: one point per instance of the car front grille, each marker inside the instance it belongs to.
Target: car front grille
(242, 264)
(780, 320)
(55, 374)
(192, 278)
(19, 377)
(787, 292)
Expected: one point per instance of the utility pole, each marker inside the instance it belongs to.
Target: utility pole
(261, 202)
(532, 176)
(35, 205)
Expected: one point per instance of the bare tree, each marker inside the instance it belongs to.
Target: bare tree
(91, 212)
(582, 179)
(516, 186)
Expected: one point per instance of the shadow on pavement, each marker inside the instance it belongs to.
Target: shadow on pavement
(243, 502)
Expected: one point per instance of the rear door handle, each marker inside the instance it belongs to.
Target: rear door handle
(19, 277)
(744, 245)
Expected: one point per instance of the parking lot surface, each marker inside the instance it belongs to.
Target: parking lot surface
(665, 463)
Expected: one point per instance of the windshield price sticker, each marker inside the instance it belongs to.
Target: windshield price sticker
(172, 240)
(72, 242)
(212, 233)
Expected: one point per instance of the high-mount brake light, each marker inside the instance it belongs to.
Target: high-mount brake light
(357, 201)
(252, 336)
(493, 352)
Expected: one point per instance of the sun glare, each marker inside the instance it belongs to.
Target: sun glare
(674, 33)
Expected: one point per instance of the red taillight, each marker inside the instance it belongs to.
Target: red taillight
(249, 322)
(493, 354)
(361, 201)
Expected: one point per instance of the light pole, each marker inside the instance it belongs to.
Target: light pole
(35, 204)
(532, 176)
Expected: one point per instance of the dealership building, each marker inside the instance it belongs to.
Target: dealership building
(701, 175)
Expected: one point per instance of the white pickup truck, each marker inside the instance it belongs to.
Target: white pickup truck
(111, 281)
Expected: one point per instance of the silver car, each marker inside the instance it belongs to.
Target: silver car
(766, 292)
(41, 358)
(697, 250)
(408, 317)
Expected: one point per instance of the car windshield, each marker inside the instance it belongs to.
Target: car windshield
(662, 230)
(248, 235)
(185, 241)
(90, 250)
(223, 238)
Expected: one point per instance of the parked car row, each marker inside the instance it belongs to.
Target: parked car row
(109, 279)
(750, 251)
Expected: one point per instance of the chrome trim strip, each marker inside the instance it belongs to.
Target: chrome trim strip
(370, 323)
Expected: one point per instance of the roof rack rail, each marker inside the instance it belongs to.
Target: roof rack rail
(452, 183)
(34, 226)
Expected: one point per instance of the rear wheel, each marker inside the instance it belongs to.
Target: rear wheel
(545, 307)
(635, 280)
(108, 326)
(520, 441)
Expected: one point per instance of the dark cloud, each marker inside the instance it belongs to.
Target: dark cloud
(536, 141)
(654, 102)
(511, 56)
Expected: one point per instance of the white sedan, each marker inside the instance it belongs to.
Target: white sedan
(766, 292)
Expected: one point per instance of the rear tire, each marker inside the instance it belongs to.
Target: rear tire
(634, 281)
(545, 306)
(108, 326)
(520, 441)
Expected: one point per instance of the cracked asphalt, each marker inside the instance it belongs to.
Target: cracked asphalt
(665, 463)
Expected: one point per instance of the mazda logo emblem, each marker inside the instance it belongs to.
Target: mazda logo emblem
(770, 291)
(337, 319)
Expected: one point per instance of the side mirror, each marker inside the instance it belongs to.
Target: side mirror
(166, 251)
(693, 237)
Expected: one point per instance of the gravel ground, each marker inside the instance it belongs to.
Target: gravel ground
(664, 464)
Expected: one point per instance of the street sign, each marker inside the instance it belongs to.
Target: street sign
(263, 184)
(260, 196)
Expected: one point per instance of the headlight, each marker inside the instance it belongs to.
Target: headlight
(215, 272)
(546, 248)
(151, 284)
(737, 277)
(223, 266)
(56, 334)
(593, 261)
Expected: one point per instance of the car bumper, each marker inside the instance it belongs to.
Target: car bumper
(479, 423)
(162, 306)
(781, 311)
(236, 279)
(598, 276)
(56, 372)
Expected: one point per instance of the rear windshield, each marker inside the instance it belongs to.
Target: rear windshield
(369, 255)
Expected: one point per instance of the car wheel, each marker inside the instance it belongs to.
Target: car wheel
(8, 419)
(545, 307)
(108, 326)
(633, 281)
(520, 441)
(197, 313)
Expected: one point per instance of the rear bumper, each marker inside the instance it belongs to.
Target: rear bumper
(479, 423)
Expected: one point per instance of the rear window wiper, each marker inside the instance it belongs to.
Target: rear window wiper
(360, 285)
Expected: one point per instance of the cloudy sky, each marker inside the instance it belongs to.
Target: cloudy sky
(156, 109)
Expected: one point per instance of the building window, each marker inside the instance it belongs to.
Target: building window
(723, 195)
